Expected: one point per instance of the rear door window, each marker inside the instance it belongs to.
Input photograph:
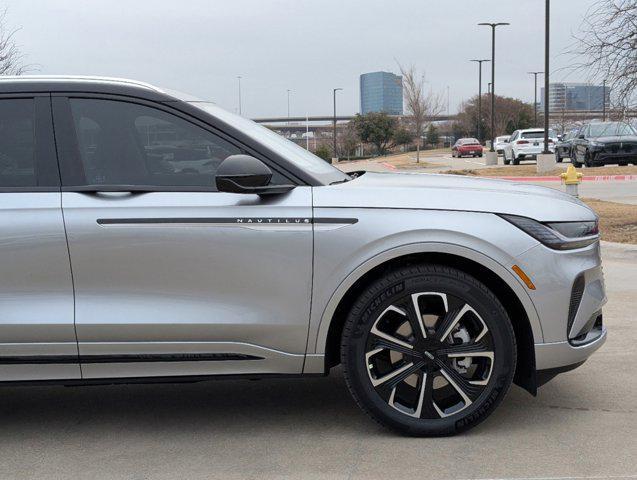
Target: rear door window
(17, 143)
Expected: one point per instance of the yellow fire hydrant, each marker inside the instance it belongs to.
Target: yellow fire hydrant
(571, 178)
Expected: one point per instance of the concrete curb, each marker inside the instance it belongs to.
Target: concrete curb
(589, 178)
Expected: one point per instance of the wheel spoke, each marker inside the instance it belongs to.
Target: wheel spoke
(468, 391)
(473, 349)
(386, 336)
(418, 314)
(379, 381)
(405, 374)
(449, 321)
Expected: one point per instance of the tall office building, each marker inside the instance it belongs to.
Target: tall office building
(576, 96)
(381, 92)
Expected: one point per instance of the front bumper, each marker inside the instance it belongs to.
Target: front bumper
(569, 297)
(610, 157)
(549, 356)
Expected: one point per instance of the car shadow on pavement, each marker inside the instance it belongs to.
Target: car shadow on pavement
(311, 404)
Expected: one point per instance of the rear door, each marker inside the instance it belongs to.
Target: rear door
(171, 276)
(37, 336)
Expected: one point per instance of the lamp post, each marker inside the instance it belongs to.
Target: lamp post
(479, 126)
(334, 154)
(604, 100)
(493, 27)
(239, 79)
(547, 37)
(288, 106)
(535, 74)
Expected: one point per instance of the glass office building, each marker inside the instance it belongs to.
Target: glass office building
(381, 92)
(577, 96)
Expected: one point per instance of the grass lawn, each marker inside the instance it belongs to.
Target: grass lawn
(618, 221)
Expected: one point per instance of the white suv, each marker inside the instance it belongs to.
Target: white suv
(527, 143)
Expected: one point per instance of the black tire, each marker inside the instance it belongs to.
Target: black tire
(479, 155)
(588, 161)
(435, 405)
(505, 159)
(516, 160)
(558, 157)
(576, 163)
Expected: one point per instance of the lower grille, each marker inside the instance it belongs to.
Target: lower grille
(576, 297)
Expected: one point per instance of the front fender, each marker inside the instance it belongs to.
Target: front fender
(345, 255)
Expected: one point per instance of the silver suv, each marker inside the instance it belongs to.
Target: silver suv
(147, 238)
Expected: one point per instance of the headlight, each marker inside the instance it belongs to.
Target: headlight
(558, 235)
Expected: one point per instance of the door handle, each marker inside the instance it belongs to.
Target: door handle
(116, 190)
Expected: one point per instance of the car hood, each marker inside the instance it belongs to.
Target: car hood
(616, 139)
(452, 192)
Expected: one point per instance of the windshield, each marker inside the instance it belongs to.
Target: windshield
(468, 141)
(295, 154)
(610, 129)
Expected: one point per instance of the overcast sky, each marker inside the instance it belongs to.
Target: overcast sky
(307, 46)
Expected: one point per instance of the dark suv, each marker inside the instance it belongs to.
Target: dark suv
(605, 143)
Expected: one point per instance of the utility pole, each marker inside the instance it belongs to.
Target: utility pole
(535, 74)
(334, 154)
(479, 123)
(288, 106)
(547, 37)
(493, 27)
(239, 79)
(604, 100)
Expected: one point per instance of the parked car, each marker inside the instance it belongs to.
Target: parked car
(605, 143)
(500, 143)
(527, 143)
(434, 292)
(563, 146)
(466, 147)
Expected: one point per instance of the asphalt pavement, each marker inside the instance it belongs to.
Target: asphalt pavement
(581, 426)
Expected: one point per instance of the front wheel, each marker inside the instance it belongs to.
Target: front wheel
(505, 159)
(558, 157)
(428, 350)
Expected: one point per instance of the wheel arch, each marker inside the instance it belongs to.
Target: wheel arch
(506, 287)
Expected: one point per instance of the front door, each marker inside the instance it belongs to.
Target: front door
(37, 338)
(172, 277)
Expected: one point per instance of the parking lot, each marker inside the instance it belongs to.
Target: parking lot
(582, 424)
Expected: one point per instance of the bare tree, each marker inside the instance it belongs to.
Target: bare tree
(606, 47)
(11, 59)
(420, 105)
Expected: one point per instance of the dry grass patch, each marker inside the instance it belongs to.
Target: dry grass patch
(618, 221)
(531, 171)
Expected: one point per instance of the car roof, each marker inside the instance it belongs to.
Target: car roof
(83, 84)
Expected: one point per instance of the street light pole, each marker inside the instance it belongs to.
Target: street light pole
(288, 106)
(604, 100)
(334, 154)
(493, 27)
(547, 49)
(535, 74)
(239, 79)
(479, 126)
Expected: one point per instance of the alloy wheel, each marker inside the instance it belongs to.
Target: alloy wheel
(429, 355)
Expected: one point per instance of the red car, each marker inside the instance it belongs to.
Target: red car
(467, 146)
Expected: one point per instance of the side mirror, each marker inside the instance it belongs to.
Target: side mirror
(560, 137)
(246, 174)
(581, 137)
